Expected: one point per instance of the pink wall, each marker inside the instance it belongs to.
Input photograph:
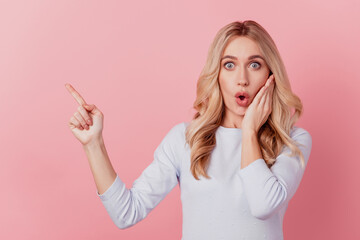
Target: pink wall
(140, 65)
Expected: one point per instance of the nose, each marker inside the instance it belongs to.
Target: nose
(242, 78)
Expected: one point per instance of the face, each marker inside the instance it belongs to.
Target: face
(239, 72)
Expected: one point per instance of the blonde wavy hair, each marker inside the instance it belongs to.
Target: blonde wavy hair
(209, 104)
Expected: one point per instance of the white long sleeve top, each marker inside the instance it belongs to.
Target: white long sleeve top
(247, 203)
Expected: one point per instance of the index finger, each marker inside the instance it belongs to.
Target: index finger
(75, 94)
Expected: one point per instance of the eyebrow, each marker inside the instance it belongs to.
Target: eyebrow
(249, 58)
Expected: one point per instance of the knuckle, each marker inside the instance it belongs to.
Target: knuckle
(79, 118)
(77, 115)
(73, 121)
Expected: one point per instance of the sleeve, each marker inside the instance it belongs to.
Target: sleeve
(125, 206)
(267, 190)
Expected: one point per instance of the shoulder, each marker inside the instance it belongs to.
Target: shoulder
(175, 136)
(177, 131)
(172, 144)
(301, 135)
(302, 139)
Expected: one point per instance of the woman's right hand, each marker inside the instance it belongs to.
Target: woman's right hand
(87, 122)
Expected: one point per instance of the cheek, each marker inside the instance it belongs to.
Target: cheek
(259, 86)
(261, 78)
(224, 88)
(261, 82)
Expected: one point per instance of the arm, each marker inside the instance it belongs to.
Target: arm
(267, 190)
(100, 165)
(126, 206)
(251, 144)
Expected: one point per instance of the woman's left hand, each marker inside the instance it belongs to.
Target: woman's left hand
(260, 108)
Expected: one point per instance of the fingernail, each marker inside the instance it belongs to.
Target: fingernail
(89, 121)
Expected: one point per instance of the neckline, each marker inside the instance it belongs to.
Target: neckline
(229, 130)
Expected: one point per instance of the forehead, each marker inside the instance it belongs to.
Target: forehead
(241, 47)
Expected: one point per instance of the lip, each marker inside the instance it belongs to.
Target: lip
(243, 93)
(245, 102)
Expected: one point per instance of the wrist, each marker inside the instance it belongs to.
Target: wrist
(249, 132)
(99, 141)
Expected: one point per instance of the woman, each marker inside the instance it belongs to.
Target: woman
(238, 162)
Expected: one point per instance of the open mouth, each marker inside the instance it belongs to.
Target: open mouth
(242, 100)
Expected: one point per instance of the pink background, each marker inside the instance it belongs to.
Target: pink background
(139, 63)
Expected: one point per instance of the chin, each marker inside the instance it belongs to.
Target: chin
(241, 111)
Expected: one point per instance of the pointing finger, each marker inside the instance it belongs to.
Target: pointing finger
(75, 94)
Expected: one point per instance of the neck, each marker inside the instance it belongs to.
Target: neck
(232, 122)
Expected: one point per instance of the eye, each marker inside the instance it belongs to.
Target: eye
(227, 64)
(256, 63)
